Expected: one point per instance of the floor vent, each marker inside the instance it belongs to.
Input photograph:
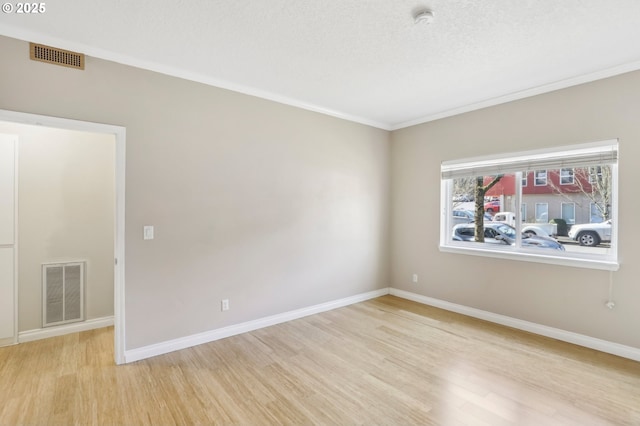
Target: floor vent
(53, 55)
(63, 293)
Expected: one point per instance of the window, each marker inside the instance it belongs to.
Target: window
(568, 213)
(598, 213)
(566, 177)
(582, 190)
(542, 212)
(540, 178)
(595, 174)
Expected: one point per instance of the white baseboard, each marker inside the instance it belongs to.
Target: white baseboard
(61, 330)
(543, 330)
(221, 333)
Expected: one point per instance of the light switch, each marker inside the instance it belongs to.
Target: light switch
(148, 232)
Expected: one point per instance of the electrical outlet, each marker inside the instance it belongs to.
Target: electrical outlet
(225, 304)
(415, 278)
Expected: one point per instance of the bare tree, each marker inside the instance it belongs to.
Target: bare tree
(480, 190)
(463, 190)
(594, 183)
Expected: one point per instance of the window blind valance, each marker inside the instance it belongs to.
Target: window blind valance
(583, 155)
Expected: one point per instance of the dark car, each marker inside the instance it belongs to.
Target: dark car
(501, 233)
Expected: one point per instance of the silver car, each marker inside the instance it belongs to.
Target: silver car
(591, 234)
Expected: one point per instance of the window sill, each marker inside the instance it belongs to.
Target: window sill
(576, 262)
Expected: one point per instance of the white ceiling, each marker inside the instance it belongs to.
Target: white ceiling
(363, 60)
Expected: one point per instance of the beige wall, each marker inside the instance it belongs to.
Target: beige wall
(277, 208)
(564, 297)
(273, 207)
(65, 213)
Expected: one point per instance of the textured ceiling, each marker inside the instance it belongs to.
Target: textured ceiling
(362, 60)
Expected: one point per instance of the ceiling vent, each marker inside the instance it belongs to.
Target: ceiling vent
(53, 55)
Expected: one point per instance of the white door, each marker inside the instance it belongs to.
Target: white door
(8, 327)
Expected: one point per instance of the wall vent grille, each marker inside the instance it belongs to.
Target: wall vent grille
(62, 293)
(53, 55)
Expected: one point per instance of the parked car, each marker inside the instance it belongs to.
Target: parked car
(501, 233)
(464, 198)
(466, 214)
(471, 215)
(543, 229)
(492, 206)
(591, 234)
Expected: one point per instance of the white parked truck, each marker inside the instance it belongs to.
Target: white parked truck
(543, 229)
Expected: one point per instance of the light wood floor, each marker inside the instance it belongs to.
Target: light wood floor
(386, 361)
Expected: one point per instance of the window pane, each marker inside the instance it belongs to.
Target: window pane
(462, 201)
(498, 194)
(566, 177)
(580, 197)
(569, 213)
(597, 213)
(542, 212)
(540, 177)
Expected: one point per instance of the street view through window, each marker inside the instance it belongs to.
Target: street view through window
(546, 204)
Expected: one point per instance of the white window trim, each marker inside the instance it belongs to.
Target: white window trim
(513, 163)
(498, 252)
(573, 176)
(535, 178)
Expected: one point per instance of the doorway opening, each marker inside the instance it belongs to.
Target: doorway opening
(117, 174)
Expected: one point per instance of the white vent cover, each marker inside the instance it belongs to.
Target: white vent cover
(62, 293)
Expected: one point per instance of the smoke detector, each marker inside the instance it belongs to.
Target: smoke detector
(423, 17)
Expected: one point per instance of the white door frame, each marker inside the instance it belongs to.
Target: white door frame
(14, 338)
(120, 134)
